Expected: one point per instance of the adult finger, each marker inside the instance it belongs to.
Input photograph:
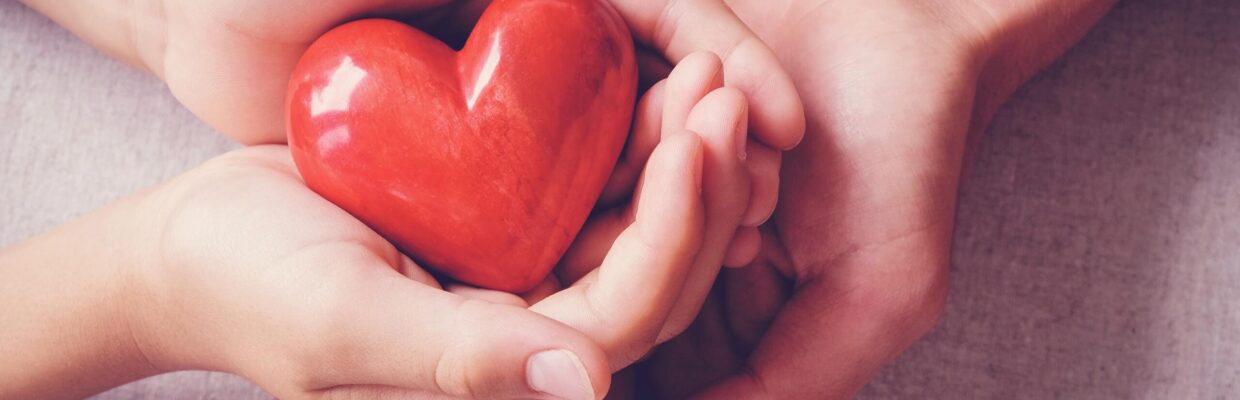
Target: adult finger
(744, 247)
(763, 163)
(682, 27)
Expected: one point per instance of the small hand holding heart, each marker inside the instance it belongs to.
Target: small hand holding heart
(636, 267)
(261, 277)
(242, 268)
(480, 164)
(483, 163)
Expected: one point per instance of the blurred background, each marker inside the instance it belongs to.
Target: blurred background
(1097, 252)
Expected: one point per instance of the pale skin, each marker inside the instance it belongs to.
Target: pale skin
(229, 62)
(236, 266)
(853, 265)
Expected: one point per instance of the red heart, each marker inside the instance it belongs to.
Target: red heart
(482, 164)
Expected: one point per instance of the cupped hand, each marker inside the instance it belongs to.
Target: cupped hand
(229, 62)
(259, 276)
(853, 265)
(640, 304)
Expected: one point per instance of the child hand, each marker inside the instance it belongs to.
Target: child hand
(659, 296)
(742, 188)
(237, 266)
(257, 275)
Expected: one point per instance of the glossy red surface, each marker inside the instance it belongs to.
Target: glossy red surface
(481, 164)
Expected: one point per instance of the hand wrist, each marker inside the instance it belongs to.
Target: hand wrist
(158, 320)
(69, 332)
(139, 277)
(178, 324)
(126, 237)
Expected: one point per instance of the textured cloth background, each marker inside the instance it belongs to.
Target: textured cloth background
(1097, 251)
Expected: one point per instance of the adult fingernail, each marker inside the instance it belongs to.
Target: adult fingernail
(559, 373)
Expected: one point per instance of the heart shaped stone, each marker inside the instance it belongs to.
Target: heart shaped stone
(481, 164)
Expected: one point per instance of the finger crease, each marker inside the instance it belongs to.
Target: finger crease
(661, 36)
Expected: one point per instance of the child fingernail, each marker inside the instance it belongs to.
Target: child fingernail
(794, 144)
(560, 374)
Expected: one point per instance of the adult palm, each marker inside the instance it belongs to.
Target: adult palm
(854, 263)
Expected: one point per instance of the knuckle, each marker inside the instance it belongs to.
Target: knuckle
(621, 334)
(461, 359)
(729, 97)
(664, 28)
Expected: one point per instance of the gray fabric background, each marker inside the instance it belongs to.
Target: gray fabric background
(1097, 253)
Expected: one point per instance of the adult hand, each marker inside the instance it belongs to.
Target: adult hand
(229, 61)
(853, 267)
